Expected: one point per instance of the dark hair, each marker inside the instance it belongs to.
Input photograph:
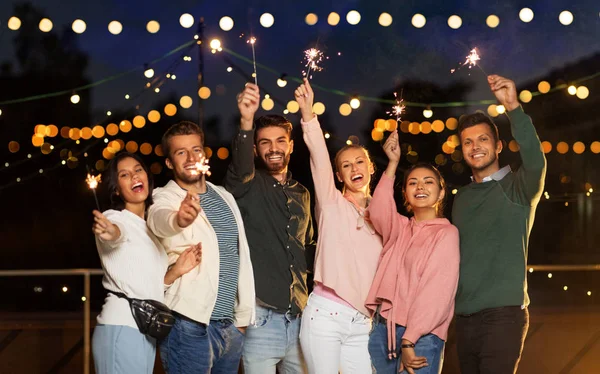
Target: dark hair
(336, 160)
(181, 128)
(477, 118)
(272, 120)
(441, 184)
(112, 177)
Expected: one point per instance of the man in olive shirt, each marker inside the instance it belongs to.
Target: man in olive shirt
(494, 215)
(276, 212)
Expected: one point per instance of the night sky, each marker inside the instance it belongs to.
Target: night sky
(48, 217)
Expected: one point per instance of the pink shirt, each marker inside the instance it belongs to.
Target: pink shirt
(347, 249)
(417, 277)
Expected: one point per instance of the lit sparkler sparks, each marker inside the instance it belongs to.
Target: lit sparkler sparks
(398, 109)
(313, 58)
(252, 41)
(471, 60)
(92, 182)
(202, 167)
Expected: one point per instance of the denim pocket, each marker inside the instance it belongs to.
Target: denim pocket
(263, 316)
(188, 328)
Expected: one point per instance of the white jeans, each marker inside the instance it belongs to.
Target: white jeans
(334, 338)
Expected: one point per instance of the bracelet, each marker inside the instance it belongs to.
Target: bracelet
(407, 345)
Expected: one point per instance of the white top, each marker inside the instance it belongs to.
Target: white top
(135, 264)
(194, 294)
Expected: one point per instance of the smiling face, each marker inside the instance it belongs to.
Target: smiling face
(185, 151)
(274, 147)
(354, 169)
(423, 191)
(132, 181)
(480, 150)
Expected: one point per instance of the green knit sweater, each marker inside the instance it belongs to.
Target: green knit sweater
(494, 220)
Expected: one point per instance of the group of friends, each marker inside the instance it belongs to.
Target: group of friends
(230, 261)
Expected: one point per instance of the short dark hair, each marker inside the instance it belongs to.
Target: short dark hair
(273, 120)
(181, 128)
(112, 177)
(441, 185)
(477, 118)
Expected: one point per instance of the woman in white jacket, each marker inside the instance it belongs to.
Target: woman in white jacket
(134, 264)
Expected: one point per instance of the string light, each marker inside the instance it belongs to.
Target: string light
(186, 20)
(14, 23)
(226, 23)
(526, 15)
(455, 22)
(353, 17)
(149, 73)
(385, 19)
(267, 20)
(115, 27)
(79, 26)
(418, 20)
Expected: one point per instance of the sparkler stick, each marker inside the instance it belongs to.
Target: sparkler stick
(252, 41)
(92, 182)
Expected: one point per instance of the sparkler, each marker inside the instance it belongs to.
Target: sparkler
(202, 167)
(313, 58)
(398, 109)
(92, 182)
(471, 60)
(252, 41)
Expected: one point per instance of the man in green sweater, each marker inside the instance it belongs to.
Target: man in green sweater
(494, 215)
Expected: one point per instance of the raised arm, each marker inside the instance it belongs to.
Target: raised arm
(241, 169)
(382, 209)
(530, 176)
(164, 220)
(320, 164)
(436, 288)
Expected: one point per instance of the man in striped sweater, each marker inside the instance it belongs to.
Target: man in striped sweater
(213, 303)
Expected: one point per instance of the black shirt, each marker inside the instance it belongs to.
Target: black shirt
(278, 226)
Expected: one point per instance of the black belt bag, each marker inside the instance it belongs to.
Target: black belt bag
(152, 317)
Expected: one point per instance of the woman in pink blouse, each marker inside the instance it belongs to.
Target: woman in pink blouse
(413, 292)
(335, 324)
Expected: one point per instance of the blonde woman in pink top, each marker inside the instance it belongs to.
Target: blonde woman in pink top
(335, 324)
(413, 292)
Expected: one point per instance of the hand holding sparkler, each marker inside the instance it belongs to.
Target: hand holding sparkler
(104, 229)
(391, 147)
(248, 101)
(92, 182)
(505, 91)
(188, 210)
(305, 97)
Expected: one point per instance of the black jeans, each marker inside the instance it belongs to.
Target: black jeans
(491, 341)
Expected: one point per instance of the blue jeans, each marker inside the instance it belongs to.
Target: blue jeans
(194, 347)
(273, 343)
(121, 349)
(428, 346)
